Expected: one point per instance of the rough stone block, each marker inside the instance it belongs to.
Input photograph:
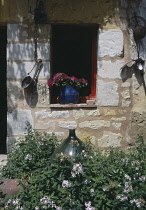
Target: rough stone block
(110, 43)
(117, 126)
(67, 124)
(42, 114)
(3, 160)
(55, 114)
(10, 186)
(125, 103)
(21, 70)
(125, 94)
(13, 93)
(78, 114)
(107, 93)
(57, 133)
(26, 51)
(109, 112)
(45, 125)
(13, 32)
(119, 119)
(94, 113)
(10, 141)
(95, 124)
(137, 125)
(108, 69)
(126, 84)
(110, 139)
(17, 120)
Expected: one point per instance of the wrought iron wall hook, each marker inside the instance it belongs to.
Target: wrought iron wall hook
(39, 13)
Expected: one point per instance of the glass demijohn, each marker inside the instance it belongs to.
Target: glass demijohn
(71, 146)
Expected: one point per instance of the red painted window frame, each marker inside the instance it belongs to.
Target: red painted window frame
(92, 95)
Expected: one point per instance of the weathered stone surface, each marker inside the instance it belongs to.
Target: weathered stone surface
(57, 133)
(26, 51)
(67, 124)
(93, 140)
(110, 139)
(20, 70)
(126, 84)
(107, 93)
(110, 43)
(125, 103)
(124, 3)
(59, 114)
(108, 69)
(123, 13)
(121, 111)
(45, 125)
(10, 141)
(119, 119)
(3, 160)
(42, 114)
(13, 93)
(77, 114)
(94, 113)
(95, 124)
(25, 33)
(138, 125)
(13, 32)
(117, 126)
(109, 112)
(43, 94)
(55, 114)
(17, 120)
(10, 186)
(125, 94)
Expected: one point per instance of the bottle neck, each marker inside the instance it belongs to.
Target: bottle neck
(72, 132)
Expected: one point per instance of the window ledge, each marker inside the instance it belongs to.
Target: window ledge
(82, 105)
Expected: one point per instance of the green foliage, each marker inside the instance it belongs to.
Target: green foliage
(92, 181)
(29, 154)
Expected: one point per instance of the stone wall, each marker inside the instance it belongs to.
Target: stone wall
(120, 107)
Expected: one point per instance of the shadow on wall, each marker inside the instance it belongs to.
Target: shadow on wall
(127, 72)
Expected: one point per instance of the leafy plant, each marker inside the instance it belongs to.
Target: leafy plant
(29, 153)
(61, 79)
(91, 181)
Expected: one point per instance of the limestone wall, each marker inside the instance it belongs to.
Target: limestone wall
(119, 114)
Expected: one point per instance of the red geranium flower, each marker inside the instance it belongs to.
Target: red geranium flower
(62, 79)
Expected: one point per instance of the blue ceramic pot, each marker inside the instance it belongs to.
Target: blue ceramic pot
(68, 95)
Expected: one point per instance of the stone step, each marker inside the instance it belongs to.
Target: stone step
(3, 160)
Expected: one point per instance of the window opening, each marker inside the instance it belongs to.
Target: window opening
(73, 51)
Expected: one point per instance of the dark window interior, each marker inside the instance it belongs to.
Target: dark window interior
(3, 90)
(71, 53)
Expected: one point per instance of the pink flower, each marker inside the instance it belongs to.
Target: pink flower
(62, 79)
(50, 83)
(58, 74)
(64, 76)
(74, 79)
(83, 80)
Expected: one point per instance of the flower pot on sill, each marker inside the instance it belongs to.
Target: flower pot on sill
(68, 95)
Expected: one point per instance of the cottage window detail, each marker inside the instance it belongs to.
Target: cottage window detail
(74, 52)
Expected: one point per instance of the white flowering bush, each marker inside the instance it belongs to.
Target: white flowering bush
(90, 181)
(29, 153)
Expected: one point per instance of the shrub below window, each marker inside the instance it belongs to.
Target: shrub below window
(92, 181)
